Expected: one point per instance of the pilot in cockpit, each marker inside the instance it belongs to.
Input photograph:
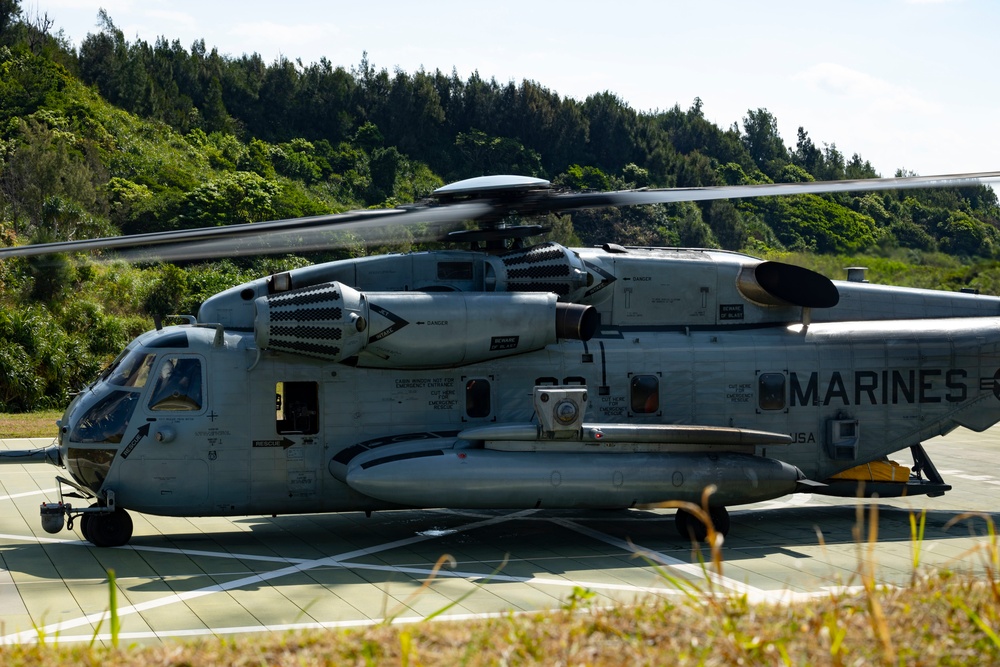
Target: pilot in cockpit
(178, 387)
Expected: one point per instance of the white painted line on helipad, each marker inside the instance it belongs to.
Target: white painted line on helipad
(693, 569)
(165, 550)
(56, 628)
(349, 565)
(42, 492)
(479, 576)
(42, 540)
(290, 627)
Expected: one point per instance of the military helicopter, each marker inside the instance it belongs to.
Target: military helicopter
(510, 375)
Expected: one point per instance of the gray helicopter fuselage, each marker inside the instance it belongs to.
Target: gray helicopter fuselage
(403, 401)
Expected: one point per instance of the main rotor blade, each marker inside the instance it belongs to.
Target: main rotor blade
(303, 234)
(428, 224)
(571, 201)
(222, 237)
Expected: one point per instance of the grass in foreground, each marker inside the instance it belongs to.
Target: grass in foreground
(940, 619)
(40, 424)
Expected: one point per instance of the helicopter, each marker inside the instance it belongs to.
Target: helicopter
(511, 375)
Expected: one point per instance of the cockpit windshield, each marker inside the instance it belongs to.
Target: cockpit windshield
(129, 369)
(107, 419)
(133, 370)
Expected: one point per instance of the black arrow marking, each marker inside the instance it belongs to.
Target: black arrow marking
(139, 435)
(284, 443)
(606, 279)
(397, 323)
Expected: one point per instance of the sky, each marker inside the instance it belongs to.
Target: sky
(906, 84)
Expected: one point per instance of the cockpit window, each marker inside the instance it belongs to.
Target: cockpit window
(113, 366)
(133, 370)
(107, 420)
(178, 385)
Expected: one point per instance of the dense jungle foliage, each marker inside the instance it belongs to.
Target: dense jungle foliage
(120, 137)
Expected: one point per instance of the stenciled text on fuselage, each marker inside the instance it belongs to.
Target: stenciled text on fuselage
(882, 387)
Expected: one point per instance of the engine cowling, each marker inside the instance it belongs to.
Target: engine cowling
(414, 329)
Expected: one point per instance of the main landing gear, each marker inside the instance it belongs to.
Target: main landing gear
(690, 527)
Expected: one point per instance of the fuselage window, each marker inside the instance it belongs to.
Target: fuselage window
(645, 392)
(296, 407)
(477, 398)
(178, 385)
(771, 391)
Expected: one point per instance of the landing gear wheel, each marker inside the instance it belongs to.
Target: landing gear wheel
(85, 520)
(691, 528)
(109, 530)
(85, 526)
(720, 519)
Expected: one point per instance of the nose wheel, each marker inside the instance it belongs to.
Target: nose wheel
(103, 524)
(107, 529)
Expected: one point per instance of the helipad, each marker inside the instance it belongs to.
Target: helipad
(195, 577)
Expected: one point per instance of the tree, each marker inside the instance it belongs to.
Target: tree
(792, 173)
(858, 168)
(727, 224)
(763, 142)
(258, 159)
(609, 122)
(584, 178)
(238, 197)
(104, 62)
(692, 232)
(297, 159)
(10, 14)
(810, 222)
(832, 167)
(53, 275)
(961, 234)
(47, 163)
(167, 293)
(484, 154)
(385, 166)
(806, 155)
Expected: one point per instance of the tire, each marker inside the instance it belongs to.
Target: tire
(113, 529)
(689, 527)
(85, 526)
(720, 519)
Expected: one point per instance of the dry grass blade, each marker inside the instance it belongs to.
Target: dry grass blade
(444, 559)
(917, 539)
(867, 565)
(991, 548)
(713, 538)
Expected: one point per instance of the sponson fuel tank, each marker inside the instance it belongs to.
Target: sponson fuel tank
(481, 478)
(414, 329)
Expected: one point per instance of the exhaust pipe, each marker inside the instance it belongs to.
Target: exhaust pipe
(576, 322)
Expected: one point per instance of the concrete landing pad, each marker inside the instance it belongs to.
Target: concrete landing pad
(195, 577)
